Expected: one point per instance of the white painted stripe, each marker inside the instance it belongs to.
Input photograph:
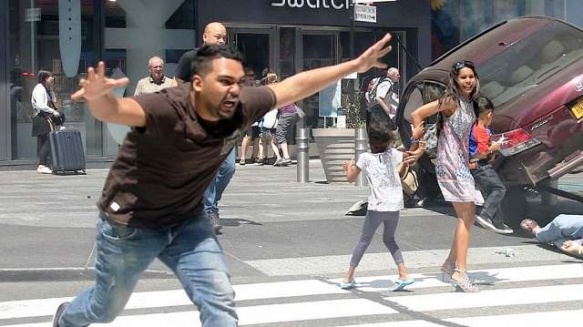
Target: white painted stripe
(413, 259)
(310, 310)
(262, 314)
(555, 318)
(408, 323)
(516, 296)
(494, 276)
(141, 300)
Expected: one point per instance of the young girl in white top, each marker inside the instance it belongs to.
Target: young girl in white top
(384, 202)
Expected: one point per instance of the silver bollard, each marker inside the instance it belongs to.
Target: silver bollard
(360, 147)
(303, 148)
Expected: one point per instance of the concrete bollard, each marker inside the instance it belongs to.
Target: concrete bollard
(303, 157)
(360, 147)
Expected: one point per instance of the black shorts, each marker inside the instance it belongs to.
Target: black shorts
(253, 132)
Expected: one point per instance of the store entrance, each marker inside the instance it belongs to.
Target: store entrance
(256, 45)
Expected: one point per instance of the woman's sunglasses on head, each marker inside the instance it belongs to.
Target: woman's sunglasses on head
(463, 63)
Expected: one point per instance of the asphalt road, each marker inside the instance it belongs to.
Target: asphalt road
(275, 229)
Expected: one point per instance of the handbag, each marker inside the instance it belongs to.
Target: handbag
(430, 141)
(409, 179)
(300, 112)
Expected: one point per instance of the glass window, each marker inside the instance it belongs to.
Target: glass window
(318, 50)
(419, 94)
(287, 49)
(532, 59)
(36, 43)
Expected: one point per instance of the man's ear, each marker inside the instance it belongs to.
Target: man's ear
(197, 83)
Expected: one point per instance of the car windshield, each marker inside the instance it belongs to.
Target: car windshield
(528, 62)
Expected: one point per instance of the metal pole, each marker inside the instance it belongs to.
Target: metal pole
(352, 82)
(360, 147)
(303, 148)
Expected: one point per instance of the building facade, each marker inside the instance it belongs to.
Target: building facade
(285, 36)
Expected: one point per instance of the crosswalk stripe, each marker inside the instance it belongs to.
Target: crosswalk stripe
(142, 300)
(337, 264)
(337, 308)
(514, 320)
(261, 314)
(495, 276)
(505, 297)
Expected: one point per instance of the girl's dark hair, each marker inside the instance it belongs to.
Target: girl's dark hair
(201, 64)
(380, 135)
(482, 105)
(43, 75)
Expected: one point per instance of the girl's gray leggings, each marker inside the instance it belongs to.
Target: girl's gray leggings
(373, 219)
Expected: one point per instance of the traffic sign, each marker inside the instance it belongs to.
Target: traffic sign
(365, 13)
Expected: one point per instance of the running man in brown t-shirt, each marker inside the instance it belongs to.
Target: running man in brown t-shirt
(151, 205)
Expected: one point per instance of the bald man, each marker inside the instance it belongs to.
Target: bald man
(214, 33)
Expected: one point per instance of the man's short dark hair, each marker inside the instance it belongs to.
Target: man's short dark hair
(205, 54)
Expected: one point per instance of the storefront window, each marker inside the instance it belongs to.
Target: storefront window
(287, 49)
(42, 37)
(318, 50)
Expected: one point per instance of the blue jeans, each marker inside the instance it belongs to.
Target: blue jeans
(123, 253)
(214, 192)
(563, 227)
(493, 190)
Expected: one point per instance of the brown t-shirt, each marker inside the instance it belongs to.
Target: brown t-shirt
(163, 169)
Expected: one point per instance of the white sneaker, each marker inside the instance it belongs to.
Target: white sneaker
(486, 223)
(44, 170)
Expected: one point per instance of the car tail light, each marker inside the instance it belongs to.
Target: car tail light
(515, 141)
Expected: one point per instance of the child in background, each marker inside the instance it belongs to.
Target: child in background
(481, 150)
(384, 202)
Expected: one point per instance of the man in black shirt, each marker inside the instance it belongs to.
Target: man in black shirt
(214, 33)
(151, 202)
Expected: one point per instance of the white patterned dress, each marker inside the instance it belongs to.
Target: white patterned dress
(453, 174)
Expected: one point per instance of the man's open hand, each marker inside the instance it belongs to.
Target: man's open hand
(97, 85)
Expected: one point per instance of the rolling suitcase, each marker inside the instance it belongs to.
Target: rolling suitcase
(67, 151)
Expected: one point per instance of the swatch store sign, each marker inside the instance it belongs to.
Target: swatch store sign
(314, 4)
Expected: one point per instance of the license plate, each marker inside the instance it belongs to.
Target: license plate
(577, 109)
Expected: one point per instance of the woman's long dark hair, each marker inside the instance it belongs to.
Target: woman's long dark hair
(453, 90)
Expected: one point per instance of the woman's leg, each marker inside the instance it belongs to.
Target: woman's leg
(44, 149)
(465, 212)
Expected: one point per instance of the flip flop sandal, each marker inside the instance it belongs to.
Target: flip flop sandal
(401, 284)
(349, 285)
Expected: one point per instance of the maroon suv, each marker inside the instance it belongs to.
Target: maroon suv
(532, 70)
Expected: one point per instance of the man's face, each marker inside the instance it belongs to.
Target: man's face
(156, 69)
(218, 90)
(215, 35)
(393, 75)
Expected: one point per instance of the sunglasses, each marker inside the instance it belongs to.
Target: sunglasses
(463, 63)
